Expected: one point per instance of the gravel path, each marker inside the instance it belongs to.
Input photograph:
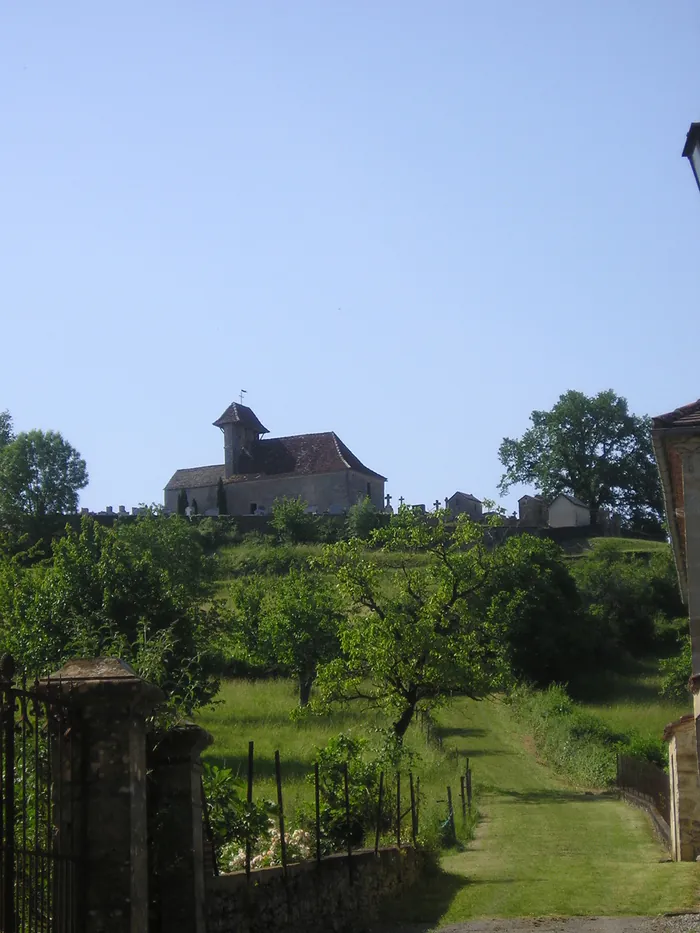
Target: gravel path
(684, 923)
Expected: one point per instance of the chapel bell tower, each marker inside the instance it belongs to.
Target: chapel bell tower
(242, 430)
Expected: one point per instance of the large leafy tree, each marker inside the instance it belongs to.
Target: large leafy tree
(40, 474)
(593, 448)
(289, 623)
(132, 592)
(412, 641)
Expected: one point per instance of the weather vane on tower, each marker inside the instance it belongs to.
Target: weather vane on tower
(243, 392)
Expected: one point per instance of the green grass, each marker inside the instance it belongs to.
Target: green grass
(543, 848)
(260, 711)
(577, 549)
(629, 699)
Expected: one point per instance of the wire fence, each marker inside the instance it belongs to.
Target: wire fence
(646, 780)
(395, 814)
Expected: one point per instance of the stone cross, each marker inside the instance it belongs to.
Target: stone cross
(447, 503)
(436, 504)
(401, 500)
(388, 500)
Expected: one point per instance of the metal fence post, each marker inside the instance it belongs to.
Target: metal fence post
(379, 812)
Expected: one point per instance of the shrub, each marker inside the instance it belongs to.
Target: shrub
(623, 594)
(232, 819)
(364, 518)
(572, 741)
(676, 673)
(292, 521)
(363, 790)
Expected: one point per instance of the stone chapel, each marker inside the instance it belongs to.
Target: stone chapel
(257, 470)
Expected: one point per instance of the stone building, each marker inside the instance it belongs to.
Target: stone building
(676, 440)
(532, 511)
(256, 470)
(567, 512)
(464, 502)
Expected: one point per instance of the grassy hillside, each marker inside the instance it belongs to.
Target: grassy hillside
(629, 699)
(259, 711)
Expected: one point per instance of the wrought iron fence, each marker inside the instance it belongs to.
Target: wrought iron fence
(646, 780)
(39, 784)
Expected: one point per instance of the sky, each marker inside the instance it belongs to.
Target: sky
(408, 222)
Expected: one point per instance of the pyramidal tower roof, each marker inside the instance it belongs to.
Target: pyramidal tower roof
(241, 414)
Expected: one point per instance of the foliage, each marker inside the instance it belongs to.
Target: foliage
(132, 591)
(676, 672)
(411, 644)
(531, 592)
(221, 503)
(591, 448)
(364, 518)
(232, 819)
(624, 594)
(182, 503)
(292, 521)
(215, 532)
(347, 751)
(40, 474)
(6, 432)
(575, 742)
(290, 623)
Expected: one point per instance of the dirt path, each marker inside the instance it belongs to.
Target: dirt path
(545, 850)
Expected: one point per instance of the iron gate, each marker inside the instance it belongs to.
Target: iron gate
(40, 792)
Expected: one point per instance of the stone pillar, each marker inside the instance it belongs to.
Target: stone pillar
(176, 820)
(684, 788)
(109, 786)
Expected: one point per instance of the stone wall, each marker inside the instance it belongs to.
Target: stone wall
(685, 789)
(314, 898)
(323, 492)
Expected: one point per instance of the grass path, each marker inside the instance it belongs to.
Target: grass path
(544, 849)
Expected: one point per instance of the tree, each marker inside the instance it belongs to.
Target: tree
(290, 624)
(40, 474)
(6, 432)
(221, 503)
(530, 590)
(591, 448)
(291, 520)
(411, 644)
(300, 624)
(363, 518)
(626, 595)
(106, 592)
(182, 502)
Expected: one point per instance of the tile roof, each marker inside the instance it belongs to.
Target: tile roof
(195, 477)
(687, 416)
(466, 495)
(300, 455)
(571, 499)
(241, 414)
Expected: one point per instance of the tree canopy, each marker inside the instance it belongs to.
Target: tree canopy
(411, 644)
(40, 473)
(593, 448)
(133, 591)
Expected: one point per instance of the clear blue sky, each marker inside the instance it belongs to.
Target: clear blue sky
(408, 222)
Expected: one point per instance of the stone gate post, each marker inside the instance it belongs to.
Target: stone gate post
(176, 821)
(108, 785)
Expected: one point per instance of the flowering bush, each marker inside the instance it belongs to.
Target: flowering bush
(267, 851)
